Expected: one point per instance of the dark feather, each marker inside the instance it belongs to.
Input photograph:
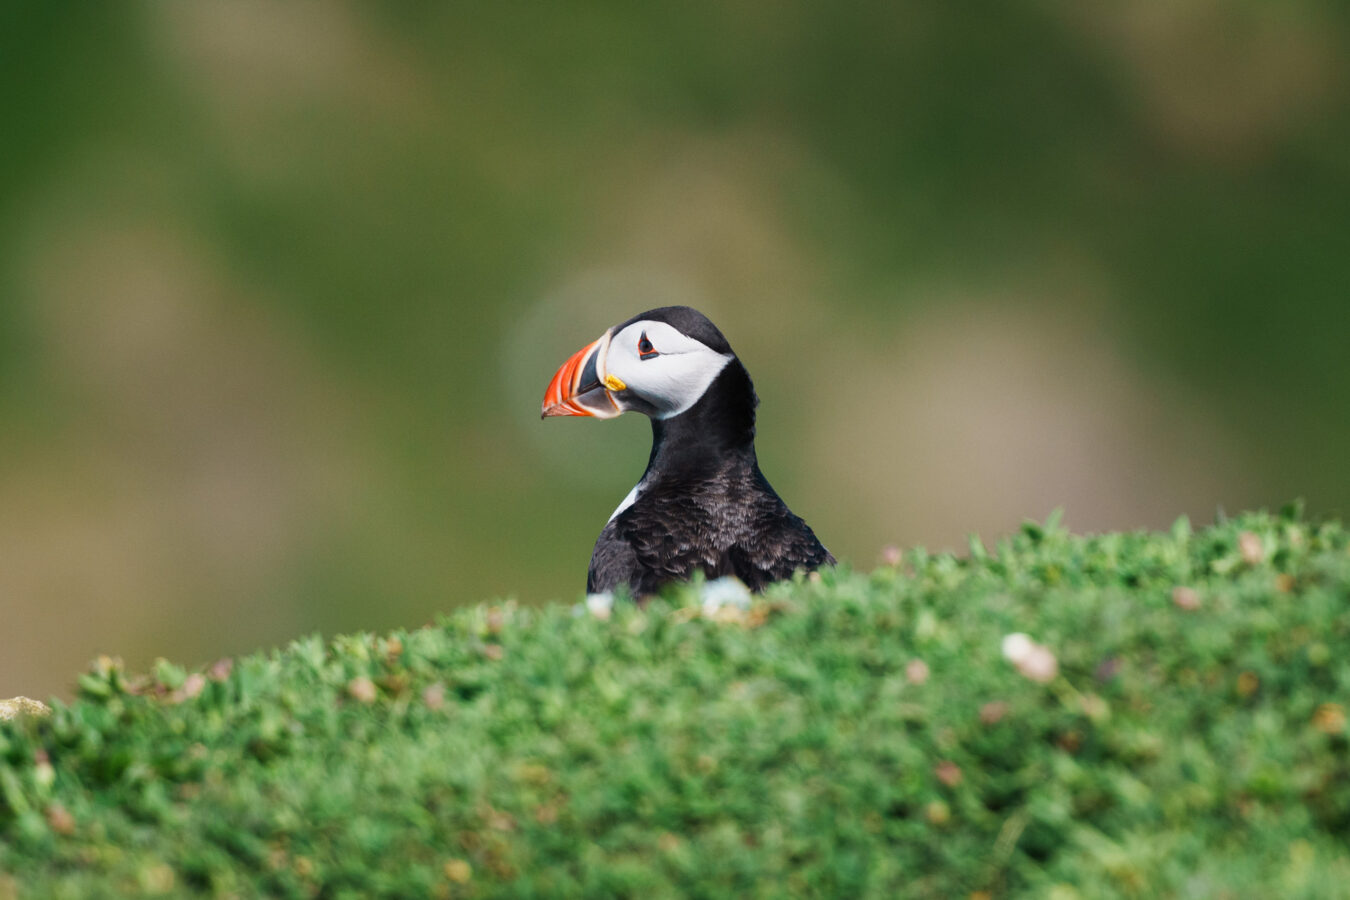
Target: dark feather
(732, 523)
(703, 504)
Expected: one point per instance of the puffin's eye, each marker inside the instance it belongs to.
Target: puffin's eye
(645, 348)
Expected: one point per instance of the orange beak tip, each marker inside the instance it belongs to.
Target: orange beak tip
(563, 396)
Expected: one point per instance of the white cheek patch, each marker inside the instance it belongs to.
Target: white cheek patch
(678, 381)
(675, 378)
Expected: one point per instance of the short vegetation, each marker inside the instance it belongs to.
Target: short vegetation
(1124, 715)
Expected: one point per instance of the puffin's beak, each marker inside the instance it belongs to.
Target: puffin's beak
(579, 387)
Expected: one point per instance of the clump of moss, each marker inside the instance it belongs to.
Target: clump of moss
(851, 735)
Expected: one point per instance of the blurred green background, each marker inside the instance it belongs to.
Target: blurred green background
(281, 285)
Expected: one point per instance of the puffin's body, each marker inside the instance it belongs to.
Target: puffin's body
(702, 504)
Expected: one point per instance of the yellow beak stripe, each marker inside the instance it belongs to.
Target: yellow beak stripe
(613, 383)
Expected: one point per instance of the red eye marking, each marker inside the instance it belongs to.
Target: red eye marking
(645, 348)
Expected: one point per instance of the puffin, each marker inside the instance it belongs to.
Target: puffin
(702, 504)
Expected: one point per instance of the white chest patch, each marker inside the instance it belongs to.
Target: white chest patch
(627, 502)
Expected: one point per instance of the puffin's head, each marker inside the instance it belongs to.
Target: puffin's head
(658, 363)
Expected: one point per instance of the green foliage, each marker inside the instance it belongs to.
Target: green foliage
(851, 735)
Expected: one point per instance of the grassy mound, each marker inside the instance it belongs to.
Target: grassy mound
(1175, 726)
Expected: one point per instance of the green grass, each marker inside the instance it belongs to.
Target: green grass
(856, 735)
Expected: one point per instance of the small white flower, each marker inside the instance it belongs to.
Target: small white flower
(1017, 646)
(1252, 548)
(1033, 660)
(725, 592)
(600, 605)
(1040, 665)
(1186, 598)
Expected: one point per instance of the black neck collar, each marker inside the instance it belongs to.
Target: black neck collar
(716, 432)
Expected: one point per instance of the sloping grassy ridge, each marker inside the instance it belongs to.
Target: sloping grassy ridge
(852, 736)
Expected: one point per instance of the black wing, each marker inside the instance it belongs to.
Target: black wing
(776, 546)
(613, 562)
(668, 535)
